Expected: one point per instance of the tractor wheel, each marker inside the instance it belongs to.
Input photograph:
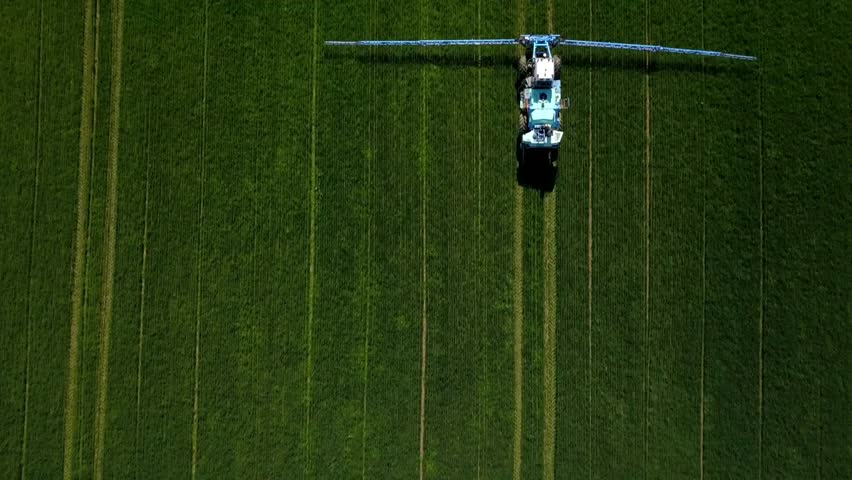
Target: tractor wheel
(519, 158)
(524, 83)
(523, 123)
(557, 67)
(523, 69)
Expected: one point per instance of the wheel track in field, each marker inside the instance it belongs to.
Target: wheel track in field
(80, 241)
(518, 300)
(142, 289)
(478, 296)
(197, 366)
(549, 247)
(256, 330)
(518, 313)
(648, 206)
(33, 215)
(87, 288)
(424, 321)
(109, 236)
(312, 254)
(762, 259)
(550, 14)
(819, 422)
(549, 250)
(589, 242)
(368, 307)
(703, 249)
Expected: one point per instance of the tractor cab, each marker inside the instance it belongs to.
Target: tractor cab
(541, 109)
(543, 106)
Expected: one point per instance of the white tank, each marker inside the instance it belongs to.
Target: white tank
(543, 70)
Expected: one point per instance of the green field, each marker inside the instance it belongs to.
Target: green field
(228, 251)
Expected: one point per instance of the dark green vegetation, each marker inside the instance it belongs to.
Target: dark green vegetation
(288, 214)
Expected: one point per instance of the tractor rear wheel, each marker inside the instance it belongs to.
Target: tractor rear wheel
(557, 67)
(523, 123)
(523, 69)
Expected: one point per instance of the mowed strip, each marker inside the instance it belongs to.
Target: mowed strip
(109, 236)
(80, 236)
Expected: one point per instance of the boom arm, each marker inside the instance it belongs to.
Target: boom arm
(426, 43)
(551, 40)
(653, 48)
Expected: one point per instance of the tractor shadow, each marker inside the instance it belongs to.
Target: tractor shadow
(534, 169)
(636, 62)
(449, 57)
(453, 58)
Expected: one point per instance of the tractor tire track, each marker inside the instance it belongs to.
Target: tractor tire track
(197, 366)
(256, 331)
(312, 255)
(368, 295)
(478, 296)
(80, 241)
(518, 299)
(549, 247)
(111, 219)
(137, 446)
(550, 16)
(703, 248)
(424, 319)
(761, 253)
(87, 287)
(589, 242)
(648, 199)
(518, 311)
(33, 216)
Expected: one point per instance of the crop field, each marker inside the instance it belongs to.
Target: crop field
(229, 251)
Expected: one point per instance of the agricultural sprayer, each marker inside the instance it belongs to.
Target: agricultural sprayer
(540, 97)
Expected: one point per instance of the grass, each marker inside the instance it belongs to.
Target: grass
(285, 237)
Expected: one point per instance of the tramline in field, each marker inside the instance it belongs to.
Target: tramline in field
(539, 87)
